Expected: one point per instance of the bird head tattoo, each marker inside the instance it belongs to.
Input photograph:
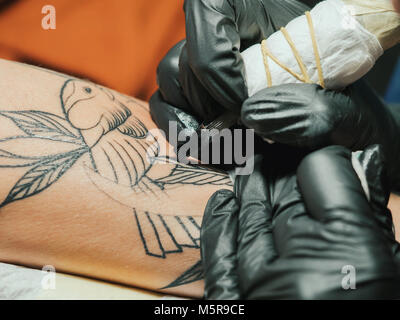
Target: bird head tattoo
(92, 109)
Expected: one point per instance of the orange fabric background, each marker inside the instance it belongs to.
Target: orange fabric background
(117, 43)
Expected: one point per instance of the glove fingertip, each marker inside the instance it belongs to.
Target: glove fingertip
(218, 246)
(222, 202)
(330, 186)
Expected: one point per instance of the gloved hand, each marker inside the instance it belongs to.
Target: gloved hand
(206, 72)
(285, 237)
(305, 115)
(216, 33)
(203, 77)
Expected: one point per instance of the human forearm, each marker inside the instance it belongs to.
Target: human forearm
(81, 193)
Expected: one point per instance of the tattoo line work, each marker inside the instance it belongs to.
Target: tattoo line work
(124, 157)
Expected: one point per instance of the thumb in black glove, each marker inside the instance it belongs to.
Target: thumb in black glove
(305, 115)
(277, 243)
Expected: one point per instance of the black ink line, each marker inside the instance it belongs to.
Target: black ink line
(59, 163)
(111, 164)
(35, 128)
(191, 219)
(195, 245)
(66, 117)
(140, 157)
(141, 235)
(123, 162)
(133, 164)
(178, 246)
(157, 237)
(193, 274)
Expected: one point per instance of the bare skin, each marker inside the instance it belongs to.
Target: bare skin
(396, 5)
(90, 186)
(394, 206)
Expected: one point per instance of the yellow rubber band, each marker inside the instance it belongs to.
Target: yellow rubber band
(267, 53)
(315, 48)
(266, 65)
(297, 56)
(304, 77)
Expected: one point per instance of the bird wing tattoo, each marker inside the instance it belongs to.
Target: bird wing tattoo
(124, 164)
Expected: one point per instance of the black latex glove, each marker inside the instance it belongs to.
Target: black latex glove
(308, 116)
(207, 71)
(216, 32)
(202, 78)
(276, 238)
